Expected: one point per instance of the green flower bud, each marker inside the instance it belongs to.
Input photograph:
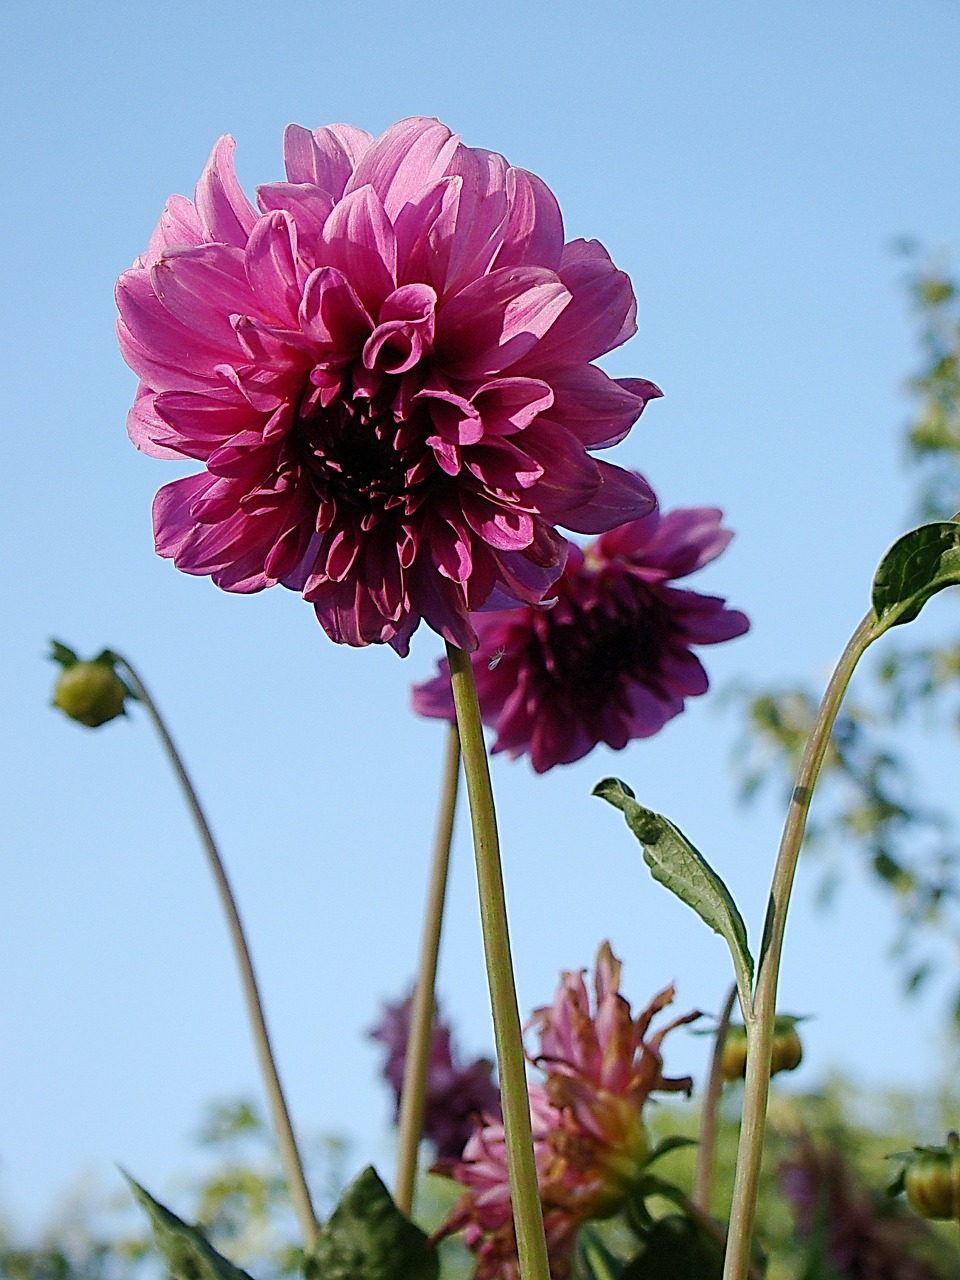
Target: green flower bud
(787, 1049)
(931, 1179)
(90, 692)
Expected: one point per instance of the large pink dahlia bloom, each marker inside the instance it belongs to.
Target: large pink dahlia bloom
(384, 370)
(612, 660)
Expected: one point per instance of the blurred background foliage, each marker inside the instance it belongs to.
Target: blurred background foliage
(870, 802)
(825, 1168)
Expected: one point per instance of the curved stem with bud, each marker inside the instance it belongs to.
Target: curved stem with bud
(289, 1152)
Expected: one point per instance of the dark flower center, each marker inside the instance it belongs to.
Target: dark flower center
(589, 653)
(359, 457)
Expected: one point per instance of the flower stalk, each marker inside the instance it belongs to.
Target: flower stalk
(289, 1152)
(417, 1063)
(703, 1175)
(524, 1190)
(760, 1017)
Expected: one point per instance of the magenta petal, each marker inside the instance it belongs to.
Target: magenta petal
(332, 314)
(225, 212)
(533, 235)
(308, 206)
(360, 242)
(601, 315)
(623, 495)
(495, 320)
(179, 227)
(407, 157)
(148, 431)
(324, 158)
(203, 288)
(272, 267)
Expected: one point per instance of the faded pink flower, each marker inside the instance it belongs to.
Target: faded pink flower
(612, 660)
(384, 370)
(458, 1093)
(590, 1143)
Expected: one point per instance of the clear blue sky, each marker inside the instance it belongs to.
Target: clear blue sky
(750, 165)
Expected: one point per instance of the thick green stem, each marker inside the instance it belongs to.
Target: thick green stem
(289, 1153)
(703, 1176)
(524, 1191)
(416, 1067)
(759, 1019)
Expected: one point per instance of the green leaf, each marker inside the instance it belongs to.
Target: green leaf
(675, 862)
(189, 1255)
(916, 567)
(594, 1259)
(60, 653)
(677, 1249)
(368, 1238)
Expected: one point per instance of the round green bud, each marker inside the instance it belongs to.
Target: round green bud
(931, 1179)
(787, 1051)
(90, 692)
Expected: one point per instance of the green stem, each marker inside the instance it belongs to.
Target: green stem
(524, 1190)
(703, 1176)
(416, 1067)
(289, 1153)
(759, 1019)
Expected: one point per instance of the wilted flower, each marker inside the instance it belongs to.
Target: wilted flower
(612, 660)
(385, 371)
(861, 1236)
(590, 1142)
(457, 1093)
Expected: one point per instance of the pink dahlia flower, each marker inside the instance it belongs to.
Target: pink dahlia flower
(590, 1143)
(384, 370)
(612, 660)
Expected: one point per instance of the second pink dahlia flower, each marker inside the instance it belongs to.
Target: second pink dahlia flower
(590, 1142)
(384, 371)
(613, 659)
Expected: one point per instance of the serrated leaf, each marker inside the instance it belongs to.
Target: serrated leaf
(368, 1238)
(189, 1254)
(917, 566)
(683, 870)
(677, 1249)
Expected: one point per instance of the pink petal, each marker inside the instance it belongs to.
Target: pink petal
(309, 207)
(225, 212)
(202, 288)
(597, 409)
(408, 156)
(273, 268)
(324, 158)
(533, 235)
(360, 242)
(495, 320)
(623, 496)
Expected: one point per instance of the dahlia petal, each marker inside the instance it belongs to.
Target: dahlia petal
(341, 554)
(201, 421)
(597, 409)
(670, 546)
(179, 226)
(623, 495)
(359, 241)
(202, 288)
(156, 345)
(507, 405)
(148, 431)
(601, 315)
(423, 229)
(440, 603)
(494, 321)
(307, 205)
(332, 314)
(704, 619)
(502, 528)
(272, 267)
(455, 419)
(501, 465)
(325, 158)
(405, 332)
(407, 157)
(225, 212)
(533, 235)
(470, 230)
(570, 476)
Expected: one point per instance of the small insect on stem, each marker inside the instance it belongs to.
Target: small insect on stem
(494, 661)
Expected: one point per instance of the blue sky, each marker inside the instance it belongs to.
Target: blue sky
(750, 166)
